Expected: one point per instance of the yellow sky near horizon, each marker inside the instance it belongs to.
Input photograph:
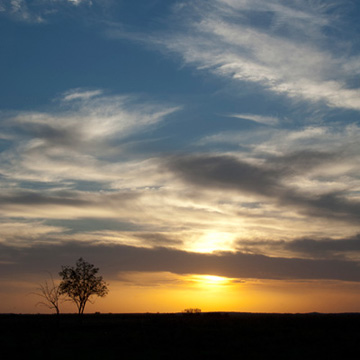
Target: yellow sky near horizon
(153, 292)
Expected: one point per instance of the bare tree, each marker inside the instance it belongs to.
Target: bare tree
(51, 295)
(81, 283)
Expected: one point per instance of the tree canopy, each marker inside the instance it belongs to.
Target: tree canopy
(80, 283)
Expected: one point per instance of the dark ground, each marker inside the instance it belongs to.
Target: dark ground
(180, 336)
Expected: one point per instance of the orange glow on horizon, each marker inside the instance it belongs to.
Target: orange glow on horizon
(218, 293)
(153, 292)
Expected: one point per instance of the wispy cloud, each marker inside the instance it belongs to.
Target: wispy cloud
(266, 120)
(72, 164)
(288, 52)
(79, 94)
(19, 10)
(79, 2)
(27, 233)
(86, 132)
(77, 161)
(36, 12)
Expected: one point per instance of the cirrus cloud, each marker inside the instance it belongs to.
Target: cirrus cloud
(284, 47)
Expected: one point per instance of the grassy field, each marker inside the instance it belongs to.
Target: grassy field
(180, 336)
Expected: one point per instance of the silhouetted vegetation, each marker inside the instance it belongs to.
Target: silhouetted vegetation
(51, 295)
(192, 311)
(174, 336)
(81, 283)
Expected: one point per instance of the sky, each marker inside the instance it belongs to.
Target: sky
(202, 154)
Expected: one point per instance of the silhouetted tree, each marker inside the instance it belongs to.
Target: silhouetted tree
(51, 295)
(81, 282)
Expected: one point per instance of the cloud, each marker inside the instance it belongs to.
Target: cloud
(68, 204)
(343, 248)
(284, 184)
(288, 49)
(228, 173)
(40, 11)
(113, 260)
(285, 48)
(79, 161)
(86, 131)
(79, 94)
(27, 233)
(225, 172)
(266, 120)
(19, 10)
(317, 155)
(94, 117)
(79, 2)
(326, 248)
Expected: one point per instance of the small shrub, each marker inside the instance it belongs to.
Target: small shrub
(192, 311)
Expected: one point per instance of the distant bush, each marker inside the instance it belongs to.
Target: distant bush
(192, 311)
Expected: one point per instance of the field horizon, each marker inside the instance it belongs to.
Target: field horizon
(230, 335)
(219, 312)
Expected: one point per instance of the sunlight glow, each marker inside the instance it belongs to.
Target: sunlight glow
(210, 281)
(213, 241)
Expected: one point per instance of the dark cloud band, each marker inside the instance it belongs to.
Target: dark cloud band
(116, 258)
(270, 180)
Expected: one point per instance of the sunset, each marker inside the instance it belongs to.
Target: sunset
(201, 154)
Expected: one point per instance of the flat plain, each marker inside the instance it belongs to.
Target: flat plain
(180, 336)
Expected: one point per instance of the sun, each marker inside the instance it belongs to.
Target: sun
(210, 281)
